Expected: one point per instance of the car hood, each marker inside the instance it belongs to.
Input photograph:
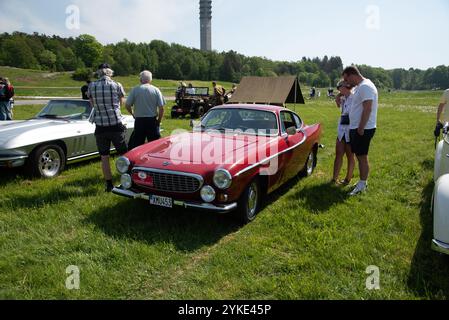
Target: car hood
(197, 151)
(14, 134)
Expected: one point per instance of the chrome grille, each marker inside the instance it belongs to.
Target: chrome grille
(171, 181)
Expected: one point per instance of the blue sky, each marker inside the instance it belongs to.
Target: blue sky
(386, 33)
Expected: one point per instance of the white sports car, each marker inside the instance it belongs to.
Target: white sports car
(58, 135)
(440, 205)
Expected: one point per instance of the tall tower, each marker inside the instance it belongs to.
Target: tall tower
(206, 24)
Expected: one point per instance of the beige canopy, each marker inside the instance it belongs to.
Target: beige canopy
(268, 90)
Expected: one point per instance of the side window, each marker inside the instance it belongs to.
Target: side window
(287, 121)
(298, 121)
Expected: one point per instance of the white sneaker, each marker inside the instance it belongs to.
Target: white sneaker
(359, 188)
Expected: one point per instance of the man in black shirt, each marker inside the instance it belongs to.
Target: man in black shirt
(84, 90)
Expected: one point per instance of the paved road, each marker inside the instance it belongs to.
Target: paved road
(26, 102)
(44, 100)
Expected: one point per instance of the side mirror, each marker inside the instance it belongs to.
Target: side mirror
(291, 131)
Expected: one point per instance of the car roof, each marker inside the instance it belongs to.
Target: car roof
(262, 107)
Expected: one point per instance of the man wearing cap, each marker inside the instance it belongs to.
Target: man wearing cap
(146, 104)
(107, 97)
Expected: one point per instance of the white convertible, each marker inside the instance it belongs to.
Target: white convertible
(58, 135)
(440, 206)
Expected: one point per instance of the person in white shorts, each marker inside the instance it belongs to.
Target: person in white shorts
(343, 146)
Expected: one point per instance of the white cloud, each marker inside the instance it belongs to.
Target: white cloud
(109, 21)
(136, 20)
(17, 16)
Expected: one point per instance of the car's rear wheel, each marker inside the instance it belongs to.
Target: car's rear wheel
(310, 165)
(46, 161)
(249, 203)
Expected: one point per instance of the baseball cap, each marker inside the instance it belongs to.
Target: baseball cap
(104, 66)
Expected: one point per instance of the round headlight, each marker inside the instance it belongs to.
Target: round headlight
(122, 164)
(126, 181)
(208, 194)
(222, 179)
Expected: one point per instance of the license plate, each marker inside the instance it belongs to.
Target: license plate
(161, 201)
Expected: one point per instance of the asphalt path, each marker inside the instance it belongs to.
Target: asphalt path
(44, 100)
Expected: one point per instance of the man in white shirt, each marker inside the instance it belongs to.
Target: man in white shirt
(363, 121)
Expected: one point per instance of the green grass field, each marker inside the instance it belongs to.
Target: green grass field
(61, 84)
(311, 241)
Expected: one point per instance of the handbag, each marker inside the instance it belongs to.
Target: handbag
(344, 121)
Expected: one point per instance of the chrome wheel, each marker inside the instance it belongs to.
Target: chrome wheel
(310, 163)
(49, 163)
(253, 197)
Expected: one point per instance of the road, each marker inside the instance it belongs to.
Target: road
(44, 100)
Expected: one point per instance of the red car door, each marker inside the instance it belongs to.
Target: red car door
(295, 154)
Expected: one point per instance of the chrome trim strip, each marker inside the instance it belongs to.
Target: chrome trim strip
(440, 247)
(179, 173)
(14, 158)
(83, 156)
(202, 206)
(274, 156)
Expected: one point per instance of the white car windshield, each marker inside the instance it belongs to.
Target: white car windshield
(65, 109)
(245, 120)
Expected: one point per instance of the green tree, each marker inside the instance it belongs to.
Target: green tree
(47, 59)
(18, 54)
(88, 49)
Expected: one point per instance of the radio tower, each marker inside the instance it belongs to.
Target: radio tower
(206, 24)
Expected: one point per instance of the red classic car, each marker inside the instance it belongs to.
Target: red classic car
(234, 157)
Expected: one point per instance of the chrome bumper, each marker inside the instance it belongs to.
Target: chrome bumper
(12, 162)
(440, 247)
(202, 206)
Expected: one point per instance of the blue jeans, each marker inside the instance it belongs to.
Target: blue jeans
(5, 111)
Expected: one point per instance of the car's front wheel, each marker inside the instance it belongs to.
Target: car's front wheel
(249, 203)
(46, 161)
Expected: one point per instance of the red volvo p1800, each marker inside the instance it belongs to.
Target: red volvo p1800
(234, 156)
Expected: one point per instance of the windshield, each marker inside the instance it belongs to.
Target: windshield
(195, 91)
(63, 109)
(245, 120)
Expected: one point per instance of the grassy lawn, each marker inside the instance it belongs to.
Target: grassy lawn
(61, 84)
(311, 241)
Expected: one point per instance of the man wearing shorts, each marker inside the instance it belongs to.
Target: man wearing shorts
(107, 97)
(363, 122)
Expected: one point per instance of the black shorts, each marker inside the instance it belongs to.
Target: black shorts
(360, 144)
(107, 135)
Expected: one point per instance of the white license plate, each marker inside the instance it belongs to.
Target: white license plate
(161, 201)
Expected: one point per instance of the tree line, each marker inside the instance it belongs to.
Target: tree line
(174, 61)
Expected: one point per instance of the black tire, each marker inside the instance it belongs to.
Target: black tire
(46, 161)
(174, 115)
(309, 166)
(198, 113)
(249, 203)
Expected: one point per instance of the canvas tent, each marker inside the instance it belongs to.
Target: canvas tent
(268, 90)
